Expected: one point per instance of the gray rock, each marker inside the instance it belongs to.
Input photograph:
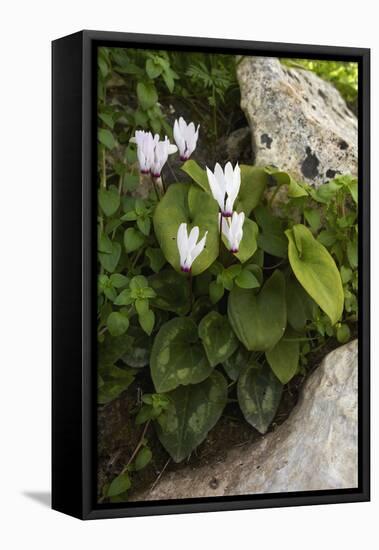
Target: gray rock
(299, 122)
(315, 449)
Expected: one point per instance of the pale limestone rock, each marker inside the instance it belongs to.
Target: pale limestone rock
(299, 122)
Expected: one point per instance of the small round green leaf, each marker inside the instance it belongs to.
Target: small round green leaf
(106, 138)
(119, 485)
(143, 458)
(117, 323)
(110, 261)
(246, 279)
(133, 239)
(109, 200)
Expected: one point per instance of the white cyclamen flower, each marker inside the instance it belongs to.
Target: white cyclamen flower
(225, 186)
(161, 151)
(188, 249)
(145, 149)
(185, 136)
(232, 230)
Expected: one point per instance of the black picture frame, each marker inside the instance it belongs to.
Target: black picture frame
(74, 275)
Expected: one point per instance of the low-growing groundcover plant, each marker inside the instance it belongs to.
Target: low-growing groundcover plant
(214, 290)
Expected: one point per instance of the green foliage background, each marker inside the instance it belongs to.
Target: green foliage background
(243, 326)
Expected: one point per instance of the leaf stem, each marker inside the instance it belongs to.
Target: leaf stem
(138, 446)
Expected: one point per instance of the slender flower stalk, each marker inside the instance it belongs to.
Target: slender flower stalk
(225, 185)
(232, 229)
(189, 248)
(186, 136)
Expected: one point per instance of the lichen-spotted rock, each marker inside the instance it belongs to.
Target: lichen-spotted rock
(299, 122)
(316, 448)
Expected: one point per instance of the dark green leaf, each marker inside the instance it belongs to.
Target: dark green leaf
(283, 358)
(192, 412)
(109, 200)
(177, 356)
(237, 363)
(218, 338)
(172, 291)
(259, 320)
(259, 393)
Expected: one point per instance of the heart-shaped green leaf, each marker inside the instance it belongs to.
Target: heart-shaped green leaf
(178, 357)
(316, 271)
(197, 173)
(110, 261)
(217, 336)
(133, 239)
(259, 393)
(137, 354)
(106, 138)
(188, 204)
(271, 238)
(172, 291)
(283, 358)
(192, 412)
(109, 200)
(259, 320)
(253, 184)
(113, 349)
(248, 244)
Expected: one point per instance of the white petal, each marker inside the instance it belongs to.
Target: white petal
(171, 149)
(193, 236)
(215, 188)
(182, 242)
(197, 250)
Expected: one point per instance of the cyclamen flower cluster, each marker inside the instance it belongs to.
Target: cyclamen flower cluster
(152, 153)
(224, 185)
